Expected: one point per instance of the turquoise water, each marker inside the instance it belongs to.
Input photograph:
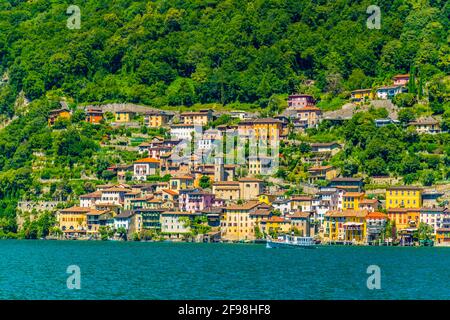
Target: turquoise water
(118, 270)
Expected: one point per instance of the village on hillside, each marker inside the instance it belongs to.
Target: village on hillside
(184, 187)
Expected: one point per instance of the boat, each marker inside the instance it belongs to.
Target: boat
(287, 241)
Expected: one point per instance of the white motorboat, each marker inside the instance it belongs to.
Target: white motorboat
(287, 241)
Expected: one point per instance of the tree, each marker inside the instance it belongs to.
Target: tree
(428, 178)
(405, 116)
(404, 100)
(181, 92)
(423, 232)
(205, 182)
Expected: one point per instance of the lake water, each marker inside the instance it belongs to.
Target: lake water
(130, 270)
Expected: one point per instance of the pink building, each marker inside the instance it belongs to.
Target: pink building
(401, 79)
(197, 201)
(300, 101)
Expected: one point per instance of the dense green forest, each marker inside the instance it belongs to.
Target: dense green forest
(181, 52)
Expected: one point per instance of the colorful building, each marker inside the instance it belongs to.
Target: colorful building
(156, 119)
(237, 223)
(122, 116)
(54, 115)
(362, 94)
(94, 115)
(403, 197)
(201, 117)
(401, 79)
(345, 226)
(143, 168)
(428, 125)
(351, 200)
(300, 101)
(73, 221)
(404, 218)
(375, 224)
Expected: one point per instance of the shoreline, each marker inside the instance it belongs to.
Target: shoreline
(224, 242)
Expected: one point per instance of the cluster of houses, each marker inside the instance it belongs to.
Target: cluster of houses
(232, 198)
(245, 210)
(386, 92)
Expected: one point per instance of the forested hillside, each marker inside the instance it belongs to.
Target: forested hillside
(181, 52)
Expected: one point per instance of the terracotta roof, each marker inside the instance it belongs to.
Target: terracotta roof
(147, 160)
(353, 194)
(246, 206)
(376, 215)
(95, 194)
(184, 177)
(95, 212)
(171, 192)
(261, 212)
(346, 213)
(368, 201)
(276, 219)
(75, 210)
(300, 215)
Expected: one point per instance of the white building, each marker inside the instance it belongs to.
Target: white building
(89, 200)
(434, 217)
(174, 222)
(114, 195)
(145, 167)
(184, 131)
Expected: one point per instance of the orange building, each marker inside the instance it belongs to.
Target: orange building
(404, 218)
(94, 115)
(62, 113)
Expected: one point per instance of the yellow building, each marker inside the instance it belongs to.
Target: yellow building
(237, 223)
(227, 190)
(73, 221)
(181, 182)
(347, 225)
(362, 94)
(197, 118)
(123, 115)
(54, 115)
(156, 119)
(351, 200)
(266, 198)
(267, 128)
(276, 224)
(443, 237)
(403, 197)
(404, 218)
